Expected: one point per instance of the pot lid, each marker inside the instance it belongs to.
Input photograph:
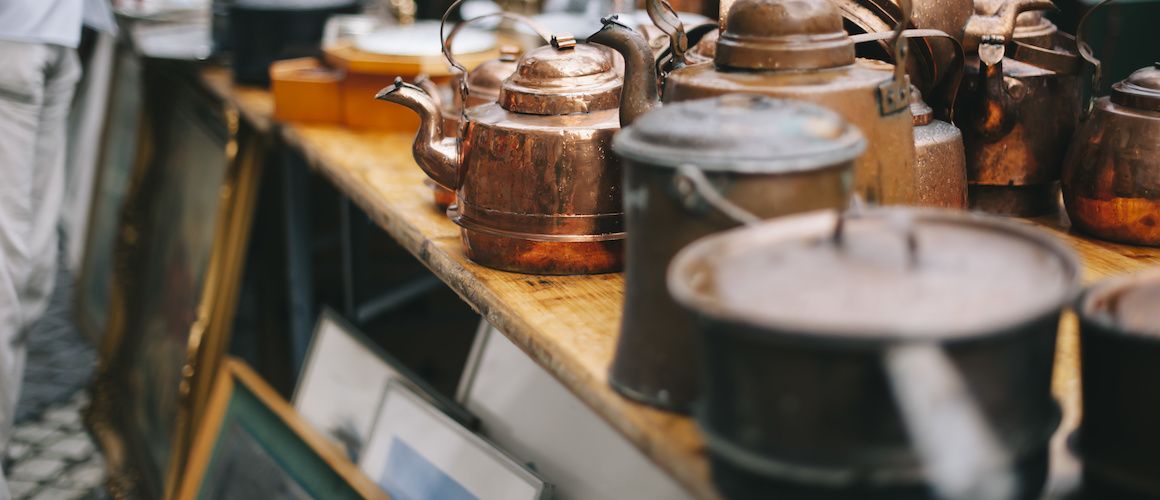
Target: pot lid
(1140, 90)
(1032, 28)
(741, 133)
(897, 273)
(784, 34)
(562, 78)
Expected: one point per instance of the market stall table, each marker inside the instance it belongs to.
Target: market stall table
(569, 324)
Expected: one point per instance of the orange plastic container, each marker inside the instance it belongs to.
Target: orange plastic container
(367, 74)
(305, 90)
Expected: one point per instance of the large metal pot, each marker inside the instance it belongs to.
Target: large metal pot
(1019, 105)
(1111, 178)
(894, 353)
(1120, 338)
(792, 50)
(751, 155)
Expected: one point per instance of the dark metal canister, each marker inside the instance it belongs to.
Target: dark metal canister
(1120, 339)
(809, 325)
(768, 157)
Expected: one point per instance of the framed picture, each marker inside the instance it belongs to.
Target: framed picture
(251, 444)
(418, 453)
(119, 161)
(176, 280)
(524, 409)
(343, 380)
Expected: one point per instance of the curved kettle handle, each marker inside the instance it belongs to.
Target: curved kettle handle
(948, 87)
(1085, 51)
(450, 37)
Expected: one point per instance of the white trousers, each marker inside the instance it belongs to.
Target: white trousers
(36, 88)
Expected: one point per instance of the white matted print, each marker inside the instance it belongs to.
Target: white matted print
(342, 383)
(418, 453)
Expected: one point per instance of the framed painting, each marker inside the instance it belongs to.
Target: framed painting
(252, 444)
(176, 280)
(343, 380)
(418, 453)
(118, 161)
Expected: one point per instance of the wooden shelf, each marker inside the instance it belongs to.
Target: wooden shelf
(569, 324)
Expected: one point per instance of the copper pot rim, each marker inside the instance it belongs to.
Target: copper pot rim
(1088, 307)
(683, 273)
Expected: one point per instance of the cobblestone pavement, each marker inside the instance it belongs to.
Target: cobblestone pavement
(51, 456)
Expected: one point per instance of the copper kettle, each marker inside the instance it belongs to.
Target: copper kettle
(538, 187)
(796, 50)
(1018, 107)
(1111, 177)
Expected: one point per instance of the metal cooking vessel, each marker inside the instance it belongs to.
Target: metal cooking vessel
(893, 353)
(938, 157)
(1120, 342)
(538, 188)
(754, 155)
(795, 50)
(1111, 178)
(1018, 107)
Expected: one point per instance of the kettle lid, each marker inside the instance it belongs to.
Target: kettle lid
(1140, 90)
(741, 133)
(784, 34)
(562, 79)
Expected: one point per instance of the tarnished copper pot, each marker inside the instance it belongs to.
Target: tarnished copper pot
(1120, 340)
(1018, 107)
(538, 187)
(894, 353)
(1111, 179)
(796, 50)
(765, 157)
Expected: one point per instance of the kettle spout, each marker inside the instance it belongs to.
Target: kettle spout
(997, 17)
(436, 155)
(640, 91)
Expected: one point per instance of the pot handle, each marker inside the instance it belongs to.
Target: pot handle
(1085, 51)
(693, 189)
(960, 454)
(894, 94)
(450, 37)
(948, 87)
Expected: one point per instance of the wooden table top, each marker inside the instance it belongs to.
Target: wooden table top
(569, 324)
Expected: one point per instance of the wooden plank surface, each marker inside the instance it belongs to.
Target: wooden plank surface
(569, 324)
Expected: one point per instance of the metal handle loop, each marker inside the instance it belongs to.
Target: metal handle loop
(665, 18)
(948, 87)
(692, 186)
(1085, 51)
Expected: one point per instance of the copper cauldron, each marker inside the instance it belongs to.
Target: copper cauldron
(1018, 107)
(1111, 177)
(697, 167)
(538, 187)
(790, 49)
(888, 354)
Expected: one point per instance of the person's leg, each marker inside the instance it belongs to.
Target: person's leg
(22, 83)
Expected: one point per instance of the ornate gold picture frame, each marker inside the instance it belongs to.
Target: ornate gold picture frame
(184, 232)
